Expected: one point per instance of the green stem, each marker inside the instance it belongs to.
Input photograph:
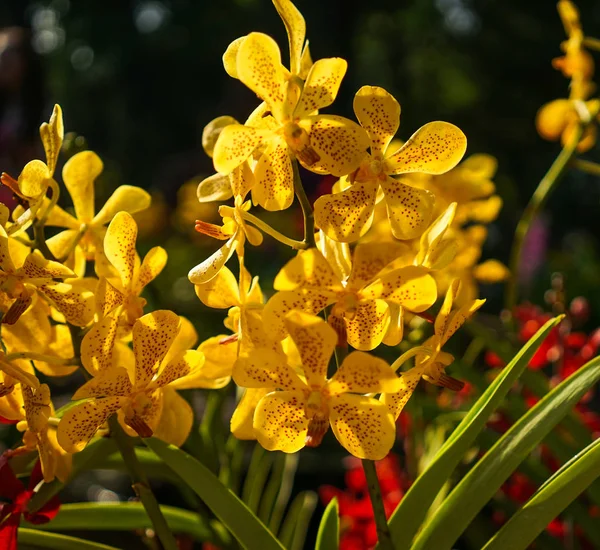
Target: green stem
(307, 211)
(383, 531)
(536, 203)
(586, 166)
(140, 484)
(592, 43)
(266, 228)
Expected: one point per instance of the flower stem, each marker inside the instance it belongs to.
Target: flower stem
(536, 203)
(307, 211)
(586, 166)
(383, 531)
(266, 228)
(591, 43)
(140, 484)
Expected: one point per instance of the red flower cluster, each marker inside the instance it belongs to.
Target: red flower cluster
(357, 522)
(18, 496)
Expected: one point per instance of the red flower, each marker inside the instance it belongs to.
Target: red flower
(13, 489)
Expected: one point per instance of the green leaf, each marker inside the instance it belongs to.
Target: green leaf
(95, 516)
(269, 495)
(328, 537)
(227, 507)
(41, 539)
(412, 510)
(490, 472)
(293, 530)
(549, 500)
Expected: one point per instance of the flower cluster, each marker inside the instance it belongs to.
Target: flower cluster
(379, 250)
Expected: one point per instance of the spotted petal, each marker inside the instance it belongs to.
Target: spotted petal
(296, 31)
(119, 246)
(368, 324)
(274, 185)
(346, 216)
(434, 148)
(309, 269)
(111, 382)
(321, 86)
(37, 267)
(242, 417)
(79, 424)
(221, 291)
(126, 198)
(34, 179)
(280, 423)
(235, 144)
(209, 268)
(264, 368)
(98, 343)
(339, 143)
(370, 258)
(315, 341)
(74, 300)
(395, 401)
(378, 113)
(152, 265)
(52, 134)
(363, 425)
(176, 419)
(184, 364)
(363, 373)
(79, 174)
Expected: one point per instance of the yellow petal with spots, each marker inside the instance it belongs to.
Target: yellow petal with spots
(230, 57)
(434, 148)
(176, 419)
(339, 143)
(126, 198)
(370, 258)
(309, 301)
(149, 414)
(363, 373)
(37, 267)
(315, 341)
(221, 291)
(409, 208)
(111, 382)
(235, 144)
(458, 318)
(306, 62)
(242, 417)
(279, 421)
(337, 255)
(52, 134)
(38, 406)
(367, 324)
(74, 300)
(442, 319)
(98, 343)
(119, 246)
(259, 67)
(209, 268)
(6, 262)
(346, 216)
(34, 179)
(79, 424)
(241, 180)
(60, 345)
(363, 425)
(491, 271)
(79, 174)
(411, 287)
(152, 265)
(153, 335)
(309, 269)
(212, 130)
(186, 364)
(378, 113)
(321, 86)
(274, 177)
(296, 31)
(395, 401)
(186, 338)
(263, 368)
(108, 297)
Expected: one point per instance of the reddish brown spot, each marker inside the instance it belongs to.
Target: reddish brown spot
(5, 390)
(17, 309)
(317, 428)
(450, 383)
(229, 339)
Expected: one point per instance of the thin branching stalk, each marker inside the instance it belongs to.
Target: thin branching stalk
(383, 531)
(307, 211)
(266, 228)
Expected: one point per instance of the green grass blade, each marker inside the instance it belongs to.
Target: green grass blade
(249, 531)
(293, 530)
(126, 516)
(549, 501)
(56, 541)
(412, 510)
(328, 537)
(488, 474)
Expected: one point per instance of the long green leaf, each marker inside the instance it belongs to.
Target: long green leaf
(412, 510)
(549, 501)
(95, 516)
(293, 530)
(56, 541)
(328, 537)
(490, 472)
(249, 531)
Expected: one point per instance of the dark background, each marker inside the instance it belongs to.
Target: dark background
(139, 80)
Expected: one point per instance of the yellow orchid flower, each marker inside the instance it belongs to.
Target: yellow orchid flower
(122, 293)
(431, 361)
(12, 373)
(86, 228)
(234, 230)
(37, 176)
(300, 412)
(32, 409)
(325, 144)
(433, 149)
(370, 293)
(23, 273)
(135, 391)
